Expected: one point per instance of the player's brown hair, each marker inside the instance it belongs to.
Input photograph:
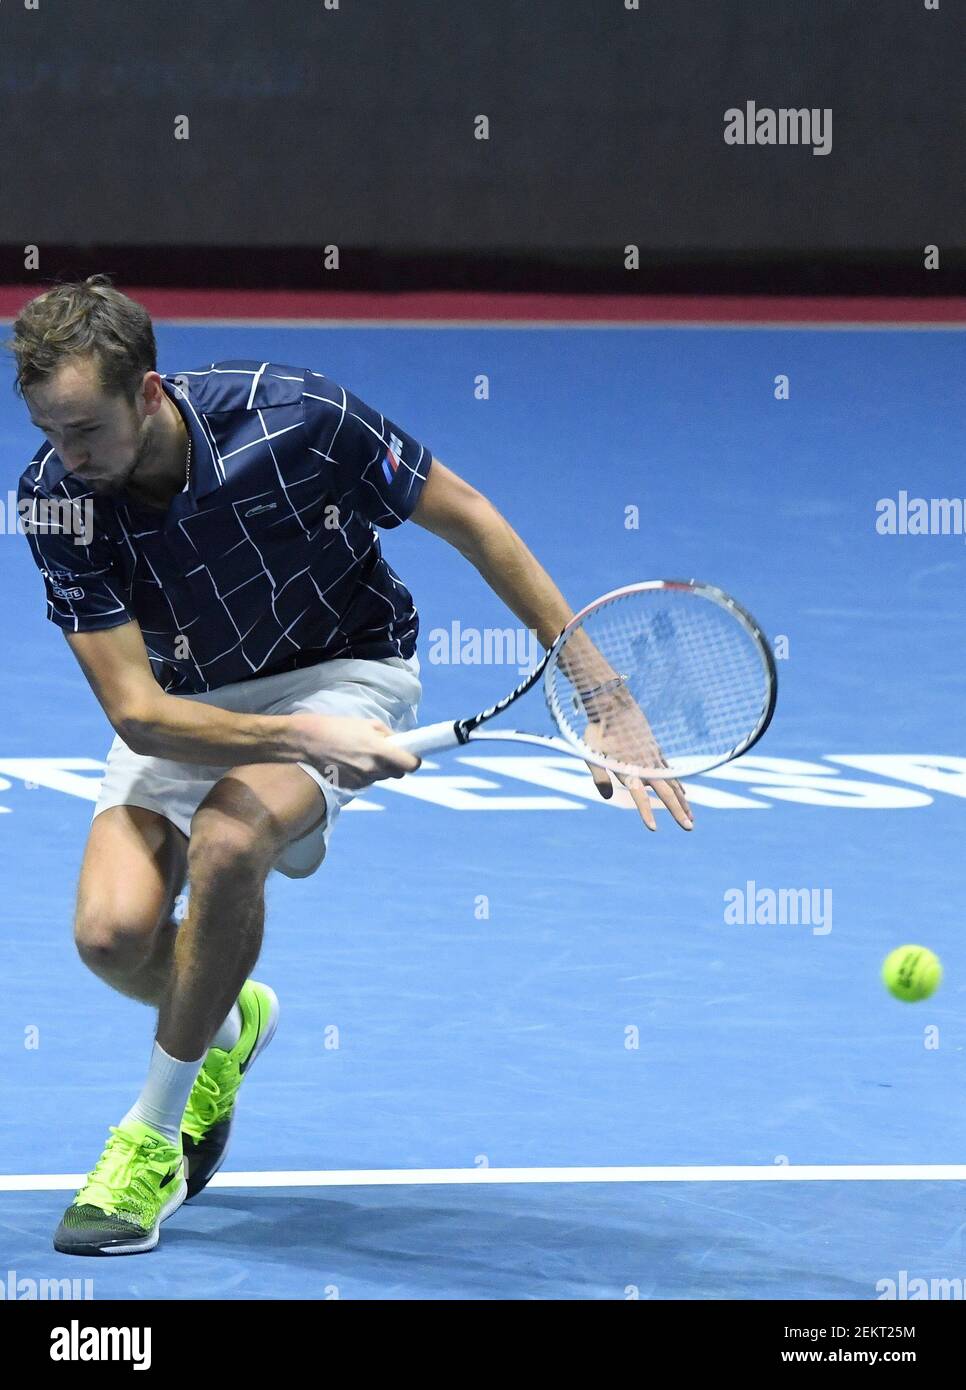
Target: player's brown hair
(85, 318)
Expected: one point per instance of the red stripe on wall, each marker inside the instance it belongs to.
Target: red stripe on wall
(483, 308)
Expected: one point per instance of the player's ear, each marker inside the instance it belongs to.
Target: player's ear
(149, 397)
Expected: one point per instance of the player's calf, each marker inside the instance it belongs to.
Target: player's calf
(220, 939)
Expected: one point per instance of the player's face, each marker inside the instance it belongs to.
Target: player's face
(100, 438)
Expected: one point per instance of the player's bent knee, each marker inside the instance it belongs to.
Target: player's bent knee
(113, 945)
(222, 851)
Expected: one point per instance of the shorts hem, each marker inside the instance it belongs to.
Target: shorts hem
(143, 803)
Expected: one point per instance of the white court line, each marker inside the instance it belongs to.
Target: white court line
(448, 1177)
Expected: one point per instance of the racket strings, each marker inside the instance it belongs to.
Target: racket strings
(659, 677)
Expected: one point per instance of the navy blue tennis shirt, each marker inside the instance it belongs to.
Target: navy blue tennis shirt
(267, 561)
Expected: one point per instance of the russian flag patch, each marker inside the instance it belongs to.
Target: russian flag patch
(390, 464)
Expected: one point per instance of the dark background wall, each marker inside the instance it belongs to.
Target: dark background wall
(355, 126)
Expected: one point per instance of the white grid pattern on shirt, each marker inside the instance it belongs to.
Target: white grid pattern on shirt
(388, 619)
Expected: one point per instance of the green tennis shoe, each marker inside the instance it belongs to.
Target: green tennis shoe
(138, 1182)
(210, 1112)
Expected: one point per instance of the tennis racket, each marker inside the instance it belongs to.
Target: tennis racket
(657, 680)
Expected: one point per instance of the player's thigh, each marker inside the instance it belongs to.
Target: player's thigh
(252, 813)
(133, 869)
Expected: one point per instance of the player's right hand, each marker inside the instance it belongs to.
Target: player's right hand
(352, 752)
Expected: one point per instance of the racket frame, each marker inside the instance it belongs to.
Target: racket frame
(454, 733)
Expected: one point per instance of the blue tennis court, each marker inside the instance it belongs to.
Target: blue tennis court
(526, 1049)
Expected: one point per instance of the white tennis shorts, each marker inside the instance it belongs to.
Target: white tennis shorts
(388, 690)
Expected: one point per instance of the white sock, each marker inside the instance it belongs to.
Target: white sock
(162, 1102)
(230, 1031)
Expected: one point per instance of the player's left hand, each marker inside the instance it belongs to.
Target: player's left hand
(670, 794)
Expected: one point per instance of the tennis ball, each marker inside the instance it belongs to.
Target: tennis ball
(911, 973)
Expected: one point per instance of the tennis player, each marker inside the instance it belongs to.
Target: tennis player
(208, 547)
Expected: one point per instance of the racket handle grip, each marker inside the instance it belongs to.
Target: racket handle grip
(431, 738)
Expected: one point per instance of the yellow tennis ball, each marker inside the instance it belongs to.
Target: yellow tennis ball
(911, 973)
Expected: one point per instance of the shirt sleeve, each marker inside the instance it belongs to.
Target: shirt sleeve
(377, 469)
(83, 583)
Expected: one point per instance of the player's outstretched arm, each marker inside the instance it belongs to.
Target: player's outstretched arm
(453, 510)
(354, 752)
